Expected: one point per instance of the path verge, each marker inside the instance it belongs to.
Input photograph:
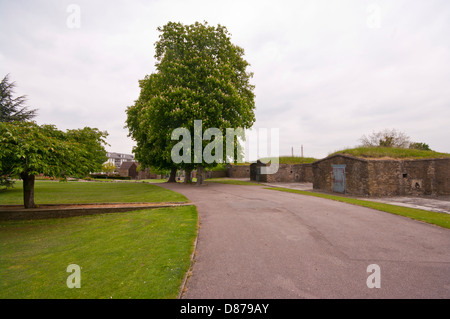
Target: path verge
(17, 212)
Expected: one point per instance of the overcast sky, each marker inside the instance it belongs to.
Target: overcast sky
(326, 72)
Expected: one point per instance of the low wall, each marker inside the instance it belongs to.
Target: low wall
(147, 174)
(287, 173)
(216, 174)
(238, 171)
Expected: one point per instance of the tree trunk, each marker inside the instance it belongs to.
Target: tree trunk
(28, 190)
(200, 175)
(187, 176)
(173, 175)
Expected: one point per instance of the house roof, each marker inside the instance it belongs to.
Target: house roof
(127, 165)
(113, 155)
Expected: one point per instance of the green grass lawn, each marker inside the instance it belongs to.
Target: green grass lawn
(139, 254)
(51, 192)
(155, 180)
(440, 219)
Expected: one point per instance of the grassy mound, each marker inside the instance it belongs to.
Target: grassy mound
(391, 152)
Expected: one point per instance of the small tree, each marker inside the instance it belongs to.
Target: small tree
(386, 138)
(13, 108)
(108, 168)
(420, 146)
(29, 149)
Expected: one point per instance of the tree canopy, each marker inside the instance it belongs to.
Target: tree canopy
(29, 149)
(13, 108)
(200, 75)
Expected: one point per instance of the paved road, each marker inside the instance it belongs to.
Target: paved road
(439, 204)
(259, 243)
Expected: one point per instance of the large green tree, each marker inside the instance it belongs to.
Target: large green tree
(200, 75)
(28, 149)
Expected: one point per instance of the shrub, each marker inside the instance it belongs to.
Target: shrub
(112, 176)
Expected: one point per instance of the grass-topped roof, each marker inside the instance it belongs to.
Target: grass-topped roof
(390, 152)
(293, 160)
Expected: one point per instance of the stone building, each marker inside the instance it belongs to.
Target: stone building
(287, 173)
(118, 158)
(128, 169)
(382, 177)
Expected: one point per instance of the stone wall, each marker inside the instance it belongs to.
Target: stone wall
(290, 173)
(385, 178)
(410, 177)
(216, 174)
(255, 171)
(426, 177)
(238, 171)
(306, 173)
(147, 174)
(441, 185)
(287, 173)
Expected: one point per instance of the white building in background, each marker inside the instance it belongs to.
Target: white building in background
(118, 158)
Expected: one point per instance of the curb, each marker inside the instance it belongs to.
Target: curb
(191, 266)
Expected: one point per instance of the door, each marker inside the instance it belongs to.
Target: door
(339, 178)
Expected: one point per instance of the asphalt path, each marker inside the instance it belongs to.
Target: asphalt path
(260, 243)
